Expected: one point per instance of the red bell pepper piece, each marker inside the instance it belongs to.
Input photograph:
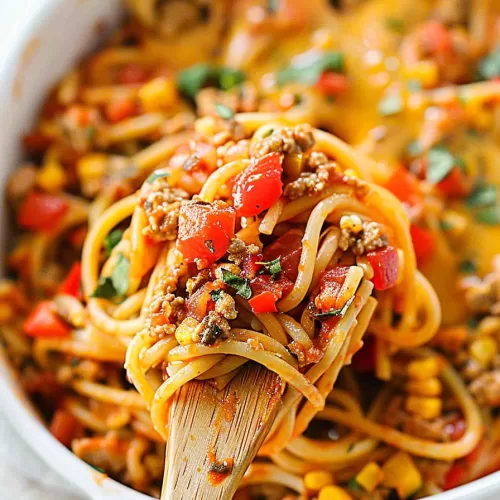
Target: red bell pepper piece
(264, 302)
(423, 243)
(72, 284)
(385, 264)
(43, 322)
(332, 84)
(41, 211)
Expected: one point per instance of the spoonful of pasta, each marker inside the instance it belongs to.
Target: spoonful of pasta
(259, 284)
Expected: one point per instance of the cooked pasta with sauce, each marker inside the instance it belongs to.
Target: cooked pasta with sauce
(309, 186)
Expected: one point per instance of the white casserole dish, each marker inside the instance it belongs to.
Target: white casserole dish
(47, 39)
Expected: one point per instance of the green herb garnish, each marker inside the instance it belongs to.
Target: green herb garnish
(390, 105)
(216, 295)
(225, 112)
(468, 266)
(117, 284)
(193, 79)
(445, 225)
(156, 175)
(111, 240)
(90, 132)
(483, 195)
(472, 323)
(353, 485)
(334, 313)
(440, 163)
(273, 267)
(489, 66)
(272, 6)
(395, 24)
(308, 71)
(241, 285)
(489, 216)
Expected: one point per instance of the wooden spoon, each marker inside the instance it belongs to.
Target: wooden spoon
(214, 435)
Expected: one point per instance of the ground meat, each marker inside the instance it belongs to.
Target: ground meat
(371, 237)
(483, 295)
(213, 327)
(298, 139)
(486, 388)
(161, 205)
(311, 183)
(238, 250)
(433, 430)
(226, 305)
(196, 281)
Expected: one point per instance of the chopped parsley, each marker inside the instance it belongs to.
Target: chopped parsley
(156, 175)
(193, 79)
(468, 266)
(489, 66)
(272, 6)
(307, 70)
(237, 283)
(111, 240)
(395, 24)
(353, 485)
(117, 284)
(489, 215)
(273, 267)
(225, 112)
(483, 195)
(390, 105)
(440, 163)
(335, 313)
(216, 295)
(210, 245)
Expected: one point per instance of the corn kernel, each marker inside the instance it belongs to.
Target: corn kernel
(427, 408)
(333, 493)
(315, 480)
(92, 166)
(350, 172)
(401, 473)
(51, 177)
(426, 72)
(370, 476)
(352, 223)
(455, 223)
(429, 387)
(420, 369)
(158, 94)
(6, 313)
(483, 350)
(186, 331)
(205, 126)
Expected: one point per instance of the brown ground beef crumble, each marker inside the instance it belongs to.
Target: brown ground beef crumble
(371, 237)
(298, 139)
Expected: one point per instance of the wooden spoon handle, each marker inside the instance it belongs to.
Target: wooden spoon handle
(214, 435)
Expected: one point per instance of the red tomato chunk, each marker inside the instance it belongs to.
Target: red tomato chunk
(43, 322)
(264, 302)
(205, 230)
(41, 211)
(259, 186)
(72, 284)
(385, 264)
(289, 248)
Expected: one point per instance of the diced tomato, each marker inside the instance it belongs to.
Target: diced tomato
(423, 243)
(259, 186)
(385, 264)
(132, 73)
(37, 142)
(404, 186)
(72, 284)
(289, 248)
(64, 427)
(81, 115)
(455, 476)
(454, 185)
(44, 322)
(472, 457)
(205, 230)
(332, 84)
(364, 360)
(116, 111)
(77, 237)
(330, 284)
(200, 302)
(264, 302)
(250, 266)
(265, 282)
(436, 37)
(41, 211)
